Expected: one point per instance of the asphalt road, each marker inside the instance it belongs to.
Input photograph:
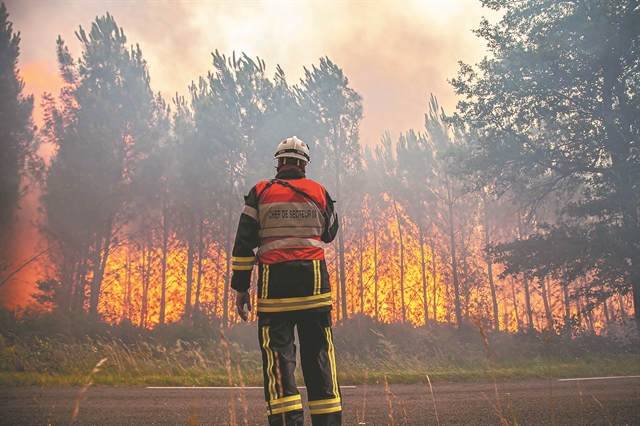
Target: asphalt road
(605, 401)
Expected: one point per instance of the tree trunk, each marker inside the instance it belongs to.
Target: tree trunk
(229, 249)
(588, 305)
(423, 269)
(434, 275)
(545, 300)
(343, 281)
(227, 274)
(454, 268)
(494, 295)
(67, 281)
(623, 312)
(361, 275)
(339, 294)
(466, 287)
(525, 281)
(127, 300)
(636, 303)
(99, 267)
(401, 236)
(492, 286)
(78, 296)
(567, 306)
(338, 177)
(527, 302)
(447, 302)
(582, 315)
(163, 278)
(215, 287)
(146, 272)
(143, 302)
(375, 270)
(191, 250)
(392, 297)
(200, 256)
(515, 303)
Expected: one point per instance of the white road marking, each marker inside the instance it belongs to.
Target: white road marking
(599, 378)
(224, 387)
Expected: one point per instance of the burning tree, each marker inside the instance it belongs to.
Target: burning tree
(101, 131)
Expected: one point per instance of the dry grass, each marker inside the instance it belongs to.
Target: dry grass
(195, 364)
(391, 352)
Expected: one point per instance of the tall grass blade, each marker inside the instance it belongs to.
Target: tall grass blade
(548, 344)
(387, 393)
(581, 404)
(603, 410)
(492, 368)
(511, 410)
(232, 407)
(503, 421)
(193, 418)
(243, 398)
(88, 383)
(401, 403)
(433, 398)
(364, 400)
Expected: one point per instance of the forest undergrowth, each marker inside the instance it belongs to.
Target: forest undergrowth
(61, 350)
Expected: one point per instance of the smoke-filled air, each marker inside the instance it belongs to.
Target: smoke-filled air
(482, 155)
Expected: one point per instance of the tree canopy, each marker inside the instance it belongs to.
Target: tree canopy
(18, 144)
(556, 110)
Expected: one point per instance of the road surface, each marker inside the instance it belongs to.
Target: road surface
(603, 401)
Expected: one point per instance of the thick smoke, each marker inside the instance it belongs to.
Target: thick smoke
(394, 54)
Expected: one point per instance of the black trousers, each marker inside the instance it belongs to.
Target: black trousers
(318, 362)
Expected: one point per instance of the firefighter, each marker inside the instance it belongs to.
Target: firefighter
(289, 219)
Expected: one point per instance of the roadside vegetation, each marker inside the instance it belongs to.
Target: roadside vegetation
(62, 350)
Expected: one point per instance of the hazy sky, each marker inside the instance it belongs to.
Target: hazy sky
(394, 53)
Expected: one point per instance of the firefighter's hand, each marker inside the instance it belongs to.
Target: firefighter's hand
(243, 298)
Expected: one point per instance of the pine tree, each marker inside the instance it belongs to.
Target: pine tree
(336, 113)
(101, 130)
(557, 112)
(18, 144)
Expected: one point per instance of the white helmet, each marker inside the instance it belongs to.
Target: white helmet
(293, 147)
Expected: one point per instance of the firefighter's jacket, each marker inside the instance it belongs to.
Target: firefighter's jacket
(288, 219)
